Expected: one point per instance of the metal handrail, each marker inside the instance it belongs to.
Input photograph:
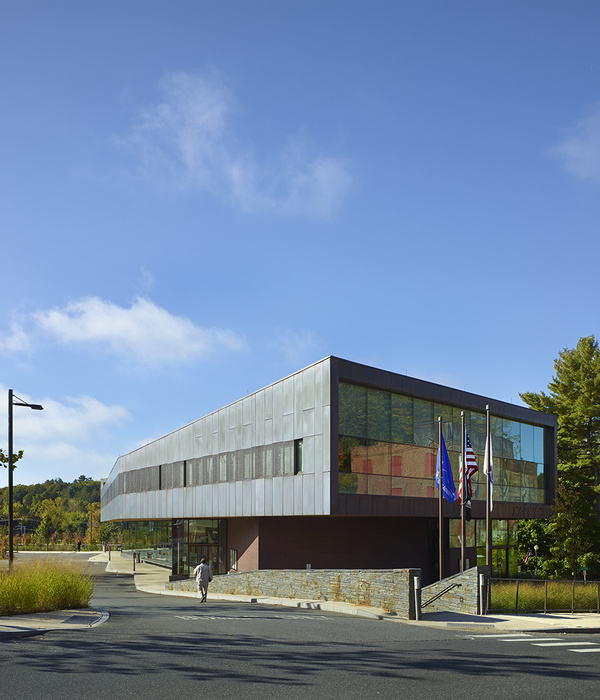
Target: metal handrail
(440, 594)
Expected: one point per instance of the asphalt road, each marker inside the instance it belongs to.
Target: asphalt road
(161, 647)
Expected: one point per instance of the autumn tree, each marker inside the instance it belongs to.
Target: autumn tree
(59, 507)
(574, 397)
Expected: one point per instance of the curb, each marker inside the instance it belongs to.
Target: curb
(18, 632)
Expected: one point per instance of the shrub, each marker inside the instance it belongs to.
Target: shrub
(42, 586)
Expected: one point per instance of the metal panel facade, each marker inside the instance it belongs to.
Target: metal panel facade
(251, 443)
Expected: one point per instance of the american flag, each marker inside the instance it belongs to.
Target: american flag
(471, 469)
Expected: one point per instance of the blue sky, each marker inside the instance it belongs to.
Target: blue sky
(199, 198)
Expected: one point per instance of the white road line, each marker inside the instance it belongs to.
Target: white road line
(561, 644)
(514, 635)
(528, 639)
(591, 649)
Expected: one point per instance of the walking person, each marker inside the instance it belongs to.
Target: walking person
(204, 576)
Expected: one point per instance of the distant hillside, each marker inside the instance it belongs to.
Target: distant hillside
(54, 511)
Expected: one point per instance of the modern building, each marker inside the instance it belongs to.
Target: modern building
(333, 467)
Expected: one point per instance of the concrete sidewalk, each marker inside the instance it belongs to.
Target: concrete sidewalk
(152, 579)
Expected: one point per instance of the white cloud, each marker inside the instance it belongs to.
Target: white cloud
(17, 341)
(297, 348)
(60, 460)
(146, 279)
(78, 422)
(186, 142)
(57, 442)
(144, 332)
(579, 149)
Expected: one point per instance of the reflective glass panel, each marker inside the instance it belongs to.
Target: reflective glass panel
(402, 419)
(527, 449)
(538, 444)
(353, 410)
(512, 439)
(499, 532)
(398, 436)
(423, 423)
(379, 418)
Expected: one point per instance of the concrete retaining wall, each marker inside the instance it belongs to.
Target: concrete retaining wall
(391, 590)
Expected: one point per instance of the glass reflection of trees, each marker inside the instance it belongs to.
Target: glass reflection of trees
(388, 446)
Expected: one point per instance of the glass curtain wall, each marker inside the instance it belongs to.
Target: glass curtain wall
(194, 539)
(504, 544)
(179, 544)
(388, 446)
(151, 539)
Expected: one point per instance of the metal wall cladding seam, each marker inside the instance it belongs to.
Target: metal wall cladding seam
(309, 495)
(258, 486)
(278, 412)
(293, 408)
(268, 497)
(258, 427)
(298, 486)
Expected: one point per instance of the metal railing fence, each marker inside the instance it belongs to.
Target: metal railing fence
(542, 596)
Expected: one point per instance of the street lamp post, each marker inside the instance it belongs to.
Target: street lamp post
(535, 546)
(35, 407)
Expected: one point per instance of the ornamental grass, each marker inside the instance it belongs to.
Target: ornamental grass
(44, 585)
(550, 596)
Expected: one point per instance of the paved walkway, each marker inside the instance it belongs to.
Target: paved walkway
(151, 579)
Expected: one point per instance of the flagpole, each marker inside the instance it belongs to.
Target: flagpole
(488, 491)
(463, 488)
(440, 502)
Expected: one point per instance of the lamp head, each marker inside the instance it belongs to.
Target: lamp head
(19, 402)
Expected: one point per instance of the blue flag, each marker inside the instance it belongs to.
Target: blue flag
(447, 478)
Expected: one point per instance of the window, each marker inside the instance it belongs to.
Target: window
(387, 435)
(233, 560)
(297, 456)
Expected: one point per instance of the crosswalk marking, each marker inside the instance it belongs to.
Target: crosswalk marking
(499, 636)
(583, 646)
(561, 644)
(523, 639)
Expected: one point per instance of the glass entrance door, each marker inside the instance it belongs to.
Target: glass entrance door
(209, 551)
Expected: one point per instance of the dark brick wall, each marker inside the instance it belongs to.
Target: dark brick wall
(242, 535)
(345, 543)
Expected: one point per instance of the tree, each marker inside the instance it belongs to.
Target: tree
(574, 397)
(93, 514)
(108, 532)
(54, 511)
(16, 457)
(44, 529)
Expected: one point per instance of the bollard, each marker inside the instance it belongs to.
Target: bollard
(481, 592)
(417, 582)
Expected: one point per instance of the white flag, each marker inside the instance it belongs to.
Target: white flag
(488, 465)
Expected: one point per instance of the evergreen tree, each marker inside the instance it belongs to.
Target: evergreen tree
(574, 397)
